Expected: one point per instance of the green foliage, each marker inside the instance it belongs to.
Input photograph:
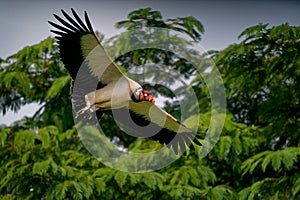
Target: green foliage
(26, 77)
(147, 18)
(279, 159)
(265, 62)
(257, 156)
(222, 192)
(58, 86)
(261, 75)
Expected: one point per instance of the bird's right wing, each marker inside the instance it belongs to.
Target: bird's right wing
(148, 120)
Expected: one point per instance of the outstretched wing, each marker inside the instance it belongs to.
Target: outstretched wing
(79, 47)
(81, 52)
(144, 119)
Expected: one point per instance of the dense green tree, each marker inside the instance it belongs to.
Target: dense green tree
(257, 156)
(27, 77)
(262, 76)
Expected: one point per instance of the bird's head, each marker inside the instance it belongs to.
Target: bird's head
(142, 95)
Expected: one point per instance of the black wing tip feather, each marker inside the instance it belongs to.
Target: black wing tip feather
(69, 30)
(72, 24)
(180, 142)
(88, 22)
(79, 21)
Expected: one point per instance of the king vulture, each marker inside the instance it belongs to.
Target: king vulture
(81, 50)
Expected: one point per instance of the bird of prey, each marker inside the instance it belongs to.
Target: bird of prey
(81, 52)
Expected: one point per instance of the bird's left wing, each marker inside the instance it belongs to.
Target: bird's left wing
(83, 56)
(149, 120)
(80, 48)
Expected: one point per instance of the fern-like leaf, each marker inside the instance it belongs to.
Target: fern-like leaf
(277, 159)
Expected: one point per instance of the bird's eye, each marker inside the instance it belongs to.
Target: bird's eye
(141, 96)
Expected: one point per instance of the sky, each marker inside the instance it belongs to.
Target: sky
(25, 23)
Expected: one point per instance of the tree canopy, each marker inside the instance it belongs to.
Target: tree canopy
(256, 157)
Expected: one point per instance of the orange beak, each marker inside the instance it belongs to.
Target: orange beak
(150, 98)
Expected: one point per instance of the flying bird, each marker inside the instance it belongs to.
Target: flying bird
(102, 87)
